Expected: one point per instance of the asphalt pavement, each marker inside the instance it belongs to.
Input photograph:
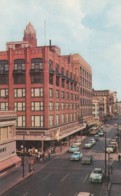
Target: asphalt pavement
(15, 176)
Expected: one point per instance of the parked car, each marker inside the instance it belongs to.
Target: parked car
(74, 148)
(110, 149)
(96, 175)
(76, 156)
(96, 137)
(88, 145)
(77, 143)
(101, 133)
(85, 194)
(87, 159)
(93, 141)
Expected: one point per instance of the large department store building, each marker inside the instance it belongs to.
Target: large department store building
(50, 92)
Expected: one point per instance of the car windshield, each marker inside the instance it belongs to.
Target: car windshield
(76, 153)
(97, 171)
(73, 146)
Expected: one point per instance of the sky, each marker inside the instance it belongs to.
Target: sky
(91, 28)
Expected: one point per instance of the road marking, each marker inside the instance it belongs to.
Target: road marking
(85, 178)
(47, 176)
(65, 177)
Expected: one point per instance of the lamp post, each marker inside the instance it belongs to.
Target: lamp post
(106, 176)
(23, 157)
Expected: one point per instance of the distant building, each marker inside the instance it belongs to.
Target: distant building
(104, 103)
(48, 91)
(8, 158)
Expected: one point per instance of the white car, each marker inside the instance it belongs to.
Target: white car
(96, 175)
(93, 141)
(88, 145)
(84, 194)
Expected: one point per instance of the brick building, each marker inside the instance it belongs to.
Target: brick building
(51, 93)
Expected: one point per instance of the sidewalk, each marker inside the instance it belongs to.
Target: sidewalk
(15, 176)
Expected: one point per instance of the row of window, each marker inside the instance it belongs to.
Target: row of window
(38, 121)
(38, 92)
(85, 74)
(39, 106)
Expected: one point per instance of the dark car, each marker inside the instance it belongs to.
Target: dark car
(87, 159)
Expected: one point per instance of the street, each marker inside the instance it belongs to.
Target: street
(62, 177)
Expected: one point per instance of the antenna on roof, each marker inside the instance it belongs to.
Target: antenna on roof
(45, 32)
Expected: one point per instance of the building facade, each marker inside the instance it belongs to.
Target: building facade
(8, 158)
(106, 101)
(51, 93)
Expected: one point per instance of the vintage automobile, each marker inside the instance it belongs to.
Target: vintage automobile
(93, 141)
(76, 156)
(85, 194)
(110, 149)
(96, 175)
(101, 133)
(88, 145)
(87, 159)
(96, 137)
(73, 148)
(77, 143)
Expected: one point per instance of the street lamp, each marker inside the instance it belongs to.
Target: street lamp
(23, 157)
(106, 173)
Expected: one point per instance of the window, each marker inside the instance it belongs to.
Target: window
(63, 83)
(51, 120)
(19, 79)
(67, 85)
(3, 65)
(19, 64)
(51, 106)
(36, 92)
(62, 95)
(37, 78)
(19, 92)
(3, 106)
(21, 120)
(50, 65)
(57, 119)
(50, 92)
(37, 63)
(57, 80)
(3, 92)
(57, 69)
(57, 106)
(37, 121)
(3, 79)
(57, 94)
(62, 106)
(67, 117)
(62, 118)
(37, 106)
(67, 95)
(51, 79)
(19, 106)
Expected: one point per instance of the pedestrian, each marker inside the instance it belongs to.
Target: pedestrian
(111, 169)
(119, 157)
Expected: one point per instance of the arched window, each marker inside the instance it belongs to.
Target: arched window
(50, 65)
(19, 64)
(57, 69)
(62, 71)
(37, 63)
(67, 74)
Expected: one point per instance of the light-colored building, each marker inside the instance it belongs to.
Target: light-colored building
(8, 158)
